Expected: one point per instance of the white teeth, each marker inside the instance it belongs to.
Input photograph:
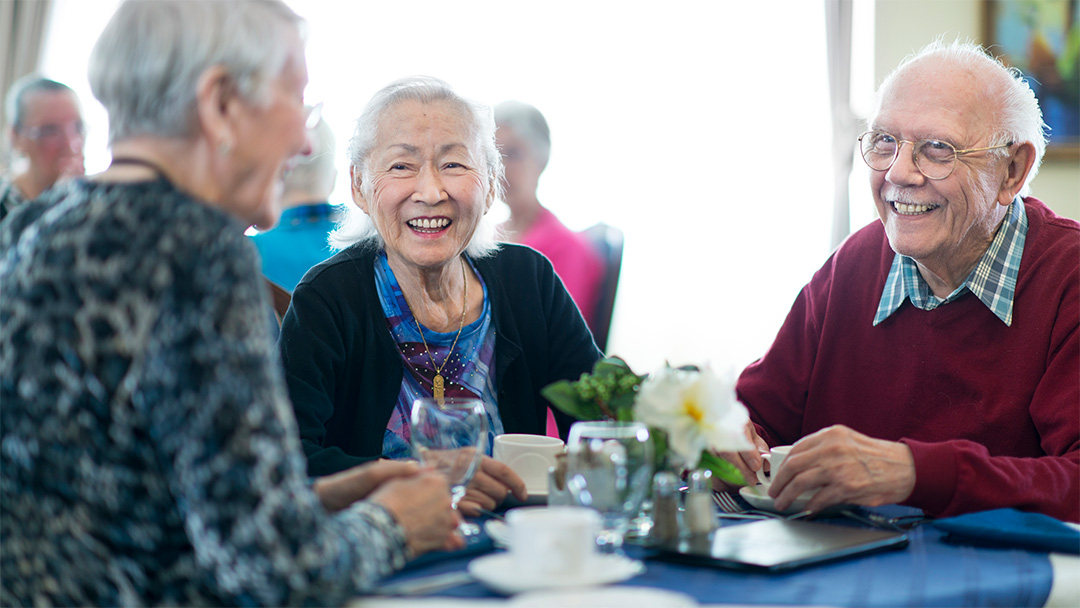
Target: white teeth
(908, 209)
(428, 224)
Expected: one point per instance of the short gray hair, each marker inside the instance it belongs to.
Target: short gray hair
(529, 124)
(356, 226)
(146, 65)
(23, 88)
(1017, 114)
(314, 172)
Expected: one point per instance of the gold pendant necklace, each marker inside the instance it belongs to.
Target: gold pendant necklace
(438, 389)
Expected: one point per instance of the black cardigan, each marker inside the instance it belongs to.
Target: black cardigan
(344, 370)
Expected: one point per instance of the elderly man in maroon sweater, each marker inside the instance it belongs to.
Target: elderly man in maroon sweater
(934, 360)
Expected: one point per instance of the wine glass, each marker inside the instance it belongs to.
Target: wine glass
(450, 435)
(608, 468)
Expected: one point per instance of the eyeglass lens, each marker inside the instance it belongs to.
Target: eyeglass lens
(314, 115)
(934, 158)
(51, 132)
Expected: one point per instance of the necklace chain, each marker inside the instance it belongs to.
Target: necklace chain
(438, 384)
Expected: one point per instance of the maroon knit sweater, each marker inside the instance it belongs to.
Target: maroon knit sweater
(991, 412)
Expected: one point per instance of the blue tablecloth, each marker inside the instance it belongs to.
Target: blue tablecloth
(929, 572)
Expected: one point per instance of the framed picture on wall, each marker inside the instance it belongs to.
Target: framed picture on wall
(1042, 39)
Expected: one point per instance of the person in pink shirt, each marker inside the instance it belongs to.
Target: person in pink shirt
(525, 142)
(524, 139)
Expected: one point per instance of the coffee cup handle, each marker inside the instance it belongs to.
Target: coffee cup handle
(761, 475)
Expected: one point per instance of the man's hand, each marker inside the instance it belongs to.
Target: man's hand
(490, 486)
(748, 462)
(421, 506)
(844, 467)
(342, 489)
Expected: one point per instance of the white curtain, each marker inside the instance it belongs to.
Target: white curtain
(22, 30)
(844, 123)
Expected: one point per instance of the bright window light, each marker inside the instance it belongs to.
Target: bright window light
(699, 128)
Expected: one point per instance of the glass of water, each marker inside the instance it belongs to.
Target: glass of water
(450, 435)
(608, 468)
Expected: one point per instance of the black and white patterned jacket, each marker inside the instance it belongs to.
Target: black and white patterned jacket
(148, 451)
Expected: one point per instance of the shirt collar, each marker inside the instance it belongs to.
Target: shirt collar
(307, 214)
(993, 281)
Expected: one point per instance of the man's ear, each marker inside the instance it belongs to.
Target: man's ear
(1016, 171)
(215, 104)
(357, 191)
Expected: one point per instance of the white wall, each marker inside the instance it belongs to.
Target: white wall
(903, 26)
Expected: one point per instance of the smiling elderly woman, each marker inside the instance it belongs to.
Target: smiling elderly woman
(149, 451)
(423, 294)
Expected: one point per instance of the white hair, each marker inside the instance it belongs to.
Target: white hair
(529, 124)
(315, 172)
(1017, 116)
(146, 65)
(355, 226)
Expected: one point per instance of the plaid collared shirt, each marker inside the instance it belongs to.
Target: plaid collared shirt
(993, 281)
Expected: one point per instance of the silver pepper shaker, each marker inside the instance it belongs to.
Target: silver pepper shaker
(700, 514)
(665, 507)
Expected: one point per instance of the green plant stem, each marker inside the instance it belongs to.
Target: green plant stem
(722, 468)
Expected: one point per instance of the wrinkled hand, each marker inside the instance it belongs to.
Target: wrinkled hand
(490, 486)
(748, 462)
(844, 467)
(421, 506)
(342, 489)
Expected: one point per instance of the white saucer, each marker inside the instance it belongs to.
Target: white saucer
(606, 597)
(499, 573)
(498, 532)
(758, 497)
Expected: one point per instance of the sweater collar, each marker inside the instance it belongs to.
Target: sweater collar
(993, 280)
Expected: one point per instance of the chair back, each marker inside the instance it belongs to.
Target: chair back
(608, 242)
(280, 298)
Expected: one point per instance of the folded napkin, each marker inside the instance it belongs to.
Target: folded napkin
(1012, 528)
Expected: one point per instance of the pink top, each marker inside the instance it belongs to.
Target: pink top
(574, 259)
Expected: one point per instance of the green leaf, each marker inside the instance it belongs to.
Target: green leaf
(562, 395)
(722, 468)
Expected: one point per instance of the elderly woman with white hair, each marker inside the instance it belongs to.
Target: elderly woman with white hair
(423, 301)
(150, 455)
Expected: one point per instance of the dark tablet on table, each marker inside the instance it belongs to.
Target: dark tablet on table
(776, 545)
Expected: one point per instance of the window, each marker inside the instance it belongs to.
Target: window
(699, 128)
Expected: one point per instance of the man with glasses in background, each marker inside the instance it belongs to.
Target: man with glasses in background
(934, 360)
(47, 130)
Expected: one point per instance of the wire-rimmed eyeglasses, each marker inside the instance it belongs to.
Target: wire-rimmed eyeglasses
(312, 116)
(54, 131)
(934, 158)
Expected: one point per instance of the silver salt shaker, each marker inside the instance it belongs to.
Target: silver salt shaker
(700, 517)
(665, 507)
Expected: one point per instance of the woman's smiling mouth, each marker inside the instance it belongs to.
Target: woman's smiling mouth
(429, 225)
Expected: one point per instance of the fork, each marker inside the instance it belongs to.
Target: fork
(731, 509)
(727, 502)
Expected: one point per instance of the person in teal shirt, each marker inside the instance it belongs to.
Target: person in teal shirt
(298, 242)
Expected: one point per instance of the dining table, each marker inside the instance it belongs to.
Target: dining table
(933, 569)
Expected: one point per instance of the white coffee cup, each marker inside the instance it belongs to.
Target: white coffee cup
(775, 458)
(552, 540)
(529, 456)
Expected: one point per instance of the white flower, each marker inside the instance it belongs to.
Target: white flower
(697, 409)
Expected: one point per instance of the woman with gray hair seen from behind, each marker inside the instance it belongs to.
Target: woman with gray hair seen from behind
(149, 451)
(422, 301)
(47, 131)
